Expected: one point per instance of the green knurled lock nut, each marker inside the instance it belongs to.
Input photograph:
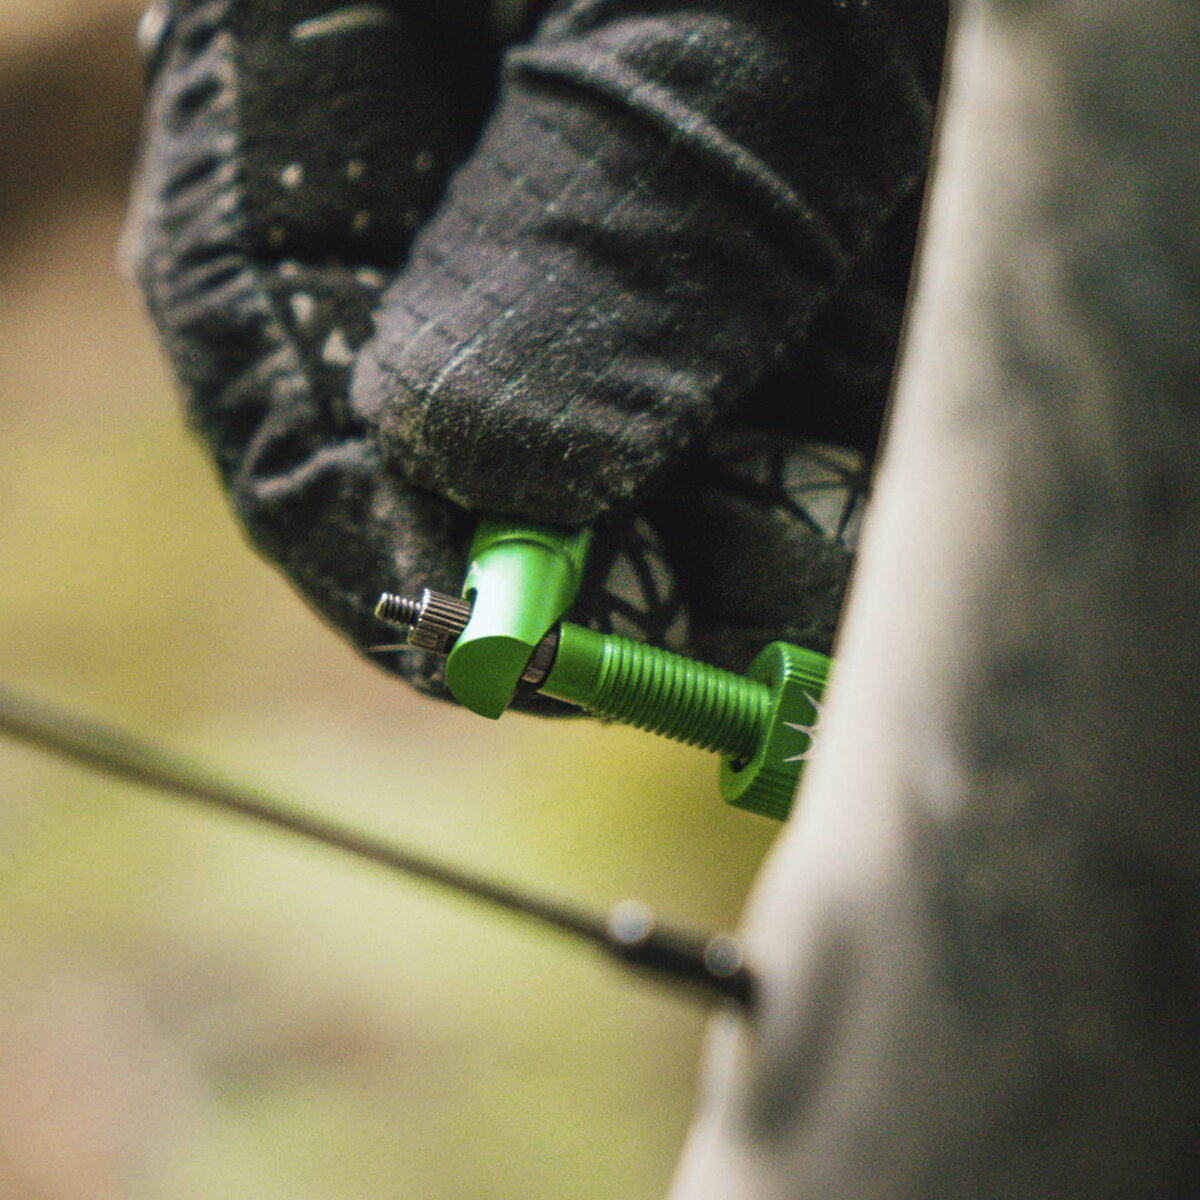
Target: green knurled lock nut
(766, 782)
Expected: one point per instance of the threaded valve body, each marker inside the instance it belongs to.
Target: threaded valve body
(656, 690)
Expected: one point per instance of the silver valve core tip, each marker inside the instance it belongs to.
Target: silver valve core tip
(434, 621)
(398, 610)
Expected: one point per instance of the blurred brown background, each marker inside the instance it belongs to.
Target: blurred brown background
(190, 1007)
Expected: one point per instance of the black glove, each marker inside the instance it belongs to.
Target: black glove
(662, 293)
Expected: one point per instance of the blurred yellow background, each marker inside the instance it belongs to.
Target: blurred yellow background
(190, 1006)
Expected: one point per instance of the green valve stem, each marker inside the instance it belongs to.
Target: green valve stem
(760, 723)
(658, 691)
(506, 631)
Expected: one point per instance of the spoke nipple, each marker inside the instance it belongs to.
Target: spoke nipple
(631, 923)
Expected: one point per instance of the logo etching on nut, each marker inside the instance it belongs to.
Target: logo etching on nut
(810, 731)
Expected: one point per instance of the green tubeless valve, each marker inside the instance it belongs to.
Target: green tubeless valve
(507, 630)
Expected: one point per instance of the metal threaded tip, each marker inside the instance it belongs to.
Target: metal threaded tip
(398, 610)
(433, 622)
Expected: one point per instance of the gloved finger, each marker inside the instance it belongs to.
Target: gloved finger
(664, 204)
(289, 154)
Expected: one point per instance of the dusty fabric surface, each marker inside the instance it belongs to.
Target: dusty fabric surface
(643, 268)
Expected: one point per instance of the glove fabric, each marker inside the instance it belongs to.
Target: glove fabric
(643, 268)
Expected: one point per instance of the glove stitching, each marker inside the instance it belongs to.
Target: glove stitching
(686, 130)
(586, 313)
(431, 392)
(482, 285)
(881, 28)
(587, 158)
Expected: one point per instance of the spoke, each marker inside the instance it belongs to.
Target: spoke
(628, 933)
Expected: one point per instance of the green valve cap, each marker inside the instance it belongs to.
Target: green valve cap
(766, 783)
(520, 581)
